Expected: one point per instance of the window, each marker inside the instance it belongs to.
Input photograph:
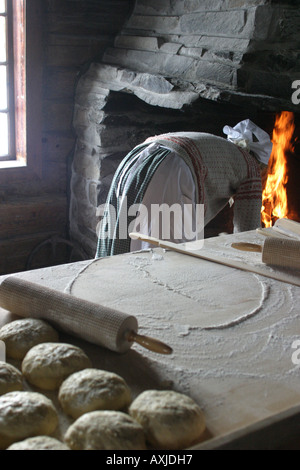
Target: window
(5, 102)
(12, 80)
(21, 58)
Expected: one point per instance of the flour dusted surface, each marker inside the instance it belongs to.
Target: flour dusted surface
(239, 371)
(231, 331)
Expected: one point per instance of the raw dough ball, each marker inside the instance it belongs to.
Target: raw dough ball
(39, 443)
(170, 420)
(10, 378)
(93, 389)
(21, 335)
(105, 430)
(25, 414)
(47, 365)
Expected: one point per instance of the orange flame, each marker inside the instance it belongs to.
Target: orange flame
(274, 196)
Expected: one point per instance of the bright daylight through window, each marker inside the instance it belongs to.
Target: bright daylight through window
(12, 80)
(4, 108)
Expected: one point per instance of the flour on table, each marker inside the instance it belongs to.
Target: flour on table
(238, 367)
(198, 293)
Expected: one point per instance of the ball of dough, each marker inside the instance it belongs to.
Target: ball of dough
(25, 414)
(39, 443)
(47, 365)
(105, 430)
(170, 419)
(93, 389)
(10, 378)
(21, 335)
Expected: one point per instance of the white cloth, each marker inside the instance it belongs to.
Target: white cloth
(248, 135)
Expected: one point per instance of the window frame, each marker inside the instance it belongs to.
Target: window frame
(10, 74)
(29, 160)
(11, 78)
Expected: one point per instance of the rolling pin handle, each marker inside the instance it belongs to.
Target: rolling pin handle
(152, 344)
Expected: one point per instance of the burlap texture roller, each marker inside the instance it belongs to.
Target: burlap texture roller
(92, 322)
(281, 252)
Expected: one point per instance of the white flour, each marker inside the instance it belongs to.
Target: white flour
(231, 331)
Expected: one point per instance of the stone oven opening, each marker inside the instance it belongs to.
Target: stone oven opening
(181, 66)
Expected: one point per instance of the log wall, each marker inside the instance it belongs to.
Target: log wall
(34, 209)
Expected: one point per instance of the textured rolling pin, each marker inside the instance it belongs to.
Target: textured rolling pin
(275, 251)
(97, 324)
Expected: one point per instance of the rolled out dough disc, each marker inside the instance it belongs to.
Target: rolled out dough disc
(195, 292)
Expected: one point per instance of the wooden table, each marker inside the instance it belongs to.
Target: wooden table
(232, 334)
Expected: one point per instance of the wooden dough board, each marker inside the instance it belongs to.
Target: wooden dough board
(237, 365)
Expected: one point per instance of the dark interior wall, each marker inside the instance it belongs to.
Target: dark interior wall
(34, 209)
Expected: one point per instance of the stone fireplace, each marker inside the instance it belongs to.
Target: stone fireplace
(178, 66)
